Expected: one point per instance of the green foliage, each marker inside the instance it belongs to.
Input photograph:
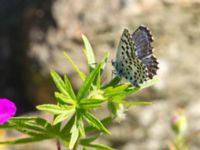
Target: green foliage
(88, 51)
(74, 111)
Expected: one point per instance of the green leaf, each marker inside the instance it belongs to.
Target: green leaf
(25, 140)
(105, 121)
(54, 109)
(74, 135)
(104, 60)
(64, 115)
(7, 126)
(99, 146)
(88, 51)
(44, 123)
(93, 121)
(89, 140)
(88, 83)
(80, 73)
(98, 84)
(31, 126)
(37, 120)
(115, 90)
(60, 84)
(24, 119)
(65, 132)
(80, 124)
(133, 103)
(121, 92)
(81, 128)
(85, 148)
(97, 80)
(118, 92)
(32, 133)
(73, 139)
(113, 82)
(112, 108)
(55, 129)
(69, 87)
(132, 89)
(90, 103)
(64, 98)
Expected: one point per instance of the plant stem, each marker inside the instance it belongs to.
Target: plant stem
(58, 145)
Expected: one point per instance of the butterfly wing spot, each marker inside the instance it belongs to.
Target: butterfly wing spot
(123, 48)
(124, 41)
(135, 75)
(127, 53)
(137, 66)
(141, 81)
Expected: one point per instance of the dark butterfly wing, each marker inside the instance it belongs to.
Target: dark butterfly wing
(144, 51)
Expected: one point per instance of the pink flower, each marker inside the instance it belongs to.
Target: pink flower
(7, 110)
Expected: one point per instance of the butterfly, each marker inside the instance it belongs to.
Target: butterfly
(134, 59)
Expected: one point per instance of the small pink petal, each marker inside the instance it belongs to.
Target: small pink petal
(7, 110)
(174, 118)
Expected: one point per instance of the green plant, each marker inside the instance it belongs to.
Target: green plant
(179, 126)
(73, 121)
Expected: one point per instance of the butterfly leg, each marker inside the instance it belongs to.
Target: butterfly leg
(134, 83)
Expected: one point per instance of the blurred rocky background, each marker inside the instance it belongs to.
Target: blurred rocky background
(34, 34)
